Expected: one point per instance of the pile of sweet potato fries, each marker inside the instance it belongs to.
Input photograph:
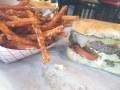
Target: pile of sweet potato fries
(24, 28)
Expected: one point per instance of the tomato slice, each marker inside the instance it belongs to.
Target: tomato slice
(85, 53)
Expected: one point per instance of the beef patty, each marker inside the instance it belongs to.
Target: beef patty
(101, 47)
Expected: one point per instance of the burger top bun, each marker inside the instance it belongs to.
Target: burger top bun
(97, 28)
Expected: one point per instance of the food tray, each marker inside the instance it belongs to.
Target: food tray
(11, 55)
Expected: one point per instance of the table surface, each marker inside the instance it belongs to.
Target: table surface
(31, 74)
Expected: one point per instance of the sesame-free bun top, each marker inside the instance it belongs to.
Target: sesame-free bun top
(97, 28)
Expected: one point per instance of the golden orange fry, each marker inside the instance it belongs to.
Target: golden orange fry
(21, 22)
(70, 17)
(16, 45)
(13, 18)
(45, 55)
(56, 30)
(67, 24)
(22, 8)
(19, 39)
(5, 29)
(20, 14)
(12, 36)
(46, 17)
(55, 19)
(31, 37)
(63, 34)
(2, 37)
(56, 11)
(23, 3)
(31, 15)
(46, 34)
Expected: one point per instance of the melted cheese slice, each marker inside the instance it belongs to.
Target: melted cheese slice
(83, 40)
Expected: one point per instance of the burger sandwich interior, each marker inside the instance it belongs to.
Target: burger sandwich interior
(96, 44)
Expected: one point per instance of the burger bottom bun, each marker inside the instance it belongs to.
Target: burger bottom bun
(77, 58)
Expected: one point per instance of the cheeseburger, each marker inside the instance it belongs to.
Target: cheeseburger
(96, 44)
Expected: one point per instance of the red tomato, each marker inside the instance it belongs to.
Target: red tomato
(85, 53)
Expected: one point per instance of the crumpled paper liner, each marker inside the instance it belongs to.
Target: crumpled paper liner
(11, 55)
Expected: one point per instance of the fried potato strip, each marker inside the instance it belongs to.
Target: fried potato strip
(56, 30)
(55, 19)
(21, 22)
(12, 18)
(23, 3)
(70, 17)
(5, 7)
(16, 45)
(45, 55)
(48, 33)
(12, 36)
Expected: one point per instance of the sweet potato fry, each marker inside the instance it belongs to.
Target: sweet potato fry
(21, 8)
(21, 22)
(54, 20)
(6, 5)
(48, 33)
(67, 24)
(40, 40)
(70, 17)
(56, 11)
(2, 37)
(13, 18)
(20, 14)
(15, 45)
(37, 14)
(8, 44)
(59, 23)
(19, 39)
(12, 36)
(5, 29)
(31, 15)
(56, 30)
(62, 34)
(25, 47)
(23, 3)
(48, 42)
(54, 35)
(46, 17)
(31, 37)
(30, 28)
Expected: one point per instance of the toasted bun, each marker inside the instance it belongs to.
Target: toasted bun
(77, 58)
(97, 28)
